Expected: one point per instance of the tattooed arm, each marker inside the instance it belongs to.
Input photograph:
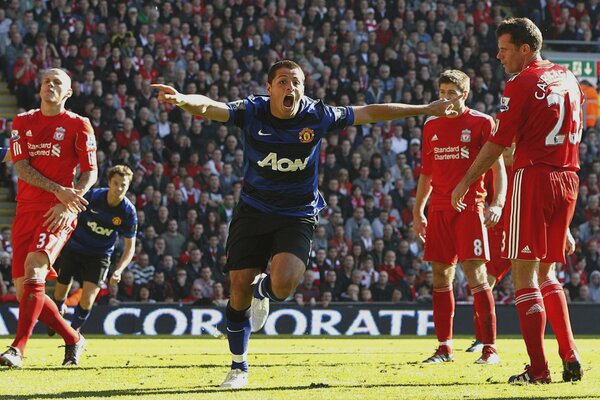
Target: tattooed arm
(71, 198)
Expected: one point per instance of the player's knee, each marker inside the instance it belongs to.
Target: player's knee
(284, 288)
(442, 277)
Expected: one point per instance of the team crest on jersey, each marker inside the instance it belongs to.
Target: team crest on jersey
(306, 135)
(116, 221)
(465, 136)
(14, 135)
(59, 133)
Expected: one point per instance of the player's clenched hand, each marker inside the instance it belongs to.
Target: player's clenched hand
(115, 278)
(492, 216)
(72, 199)
(420, 227)
(167, 94)
(442, 108)
(57, 218)
(458, 194)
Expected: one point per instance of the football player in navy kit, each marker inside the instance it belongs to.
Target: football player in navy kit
(280, 199)
(87, 253)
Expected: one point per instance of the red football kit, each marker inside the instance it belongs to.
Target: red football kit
(541, 111)
(54, 146)
(450, 145)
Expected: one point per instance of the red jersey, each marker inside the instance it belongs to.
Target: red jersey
(450, 145)
(54, 147)
(541, 110)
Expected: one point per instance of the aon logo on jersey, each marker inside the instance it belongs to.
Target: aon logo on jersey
(283, 164)
(99, 229)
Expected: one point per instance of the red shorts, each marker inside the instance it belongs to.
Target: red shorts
(456, 236)
(539, 208)
(497, 266)
(30, 236)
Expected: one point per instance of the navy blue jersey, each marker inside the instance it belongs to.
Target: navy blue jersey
(282, 155)
(3, 151)
(99, 225)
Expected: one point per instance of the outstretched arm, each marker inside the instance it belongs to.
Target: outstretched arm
(393, 111)
(195, 104)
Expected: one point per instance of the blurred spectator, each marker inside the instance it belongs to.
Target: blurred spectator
(594, 287)
(205, 282)
(160, 289)
(142, 270)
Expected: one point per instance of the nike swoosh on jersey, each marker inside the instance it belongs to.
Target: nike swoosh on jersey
(94, 211)
(261, 133)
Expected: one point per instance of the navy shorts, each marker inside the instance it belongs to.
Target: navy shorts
(255, 236)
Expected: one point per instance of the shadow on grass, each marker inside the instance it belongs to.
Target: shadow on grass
(186, 366)
(141, 392)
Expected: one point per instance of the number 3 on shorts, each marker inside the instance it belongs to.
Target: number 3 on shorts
(42, 240)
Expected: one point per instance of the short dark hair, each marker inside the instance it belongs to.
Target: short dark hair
(289, 64)
(456, 77)
(522, 31)
(122, 170)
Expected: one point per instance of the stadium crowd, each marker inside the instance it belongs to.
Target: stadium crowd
(187, 171)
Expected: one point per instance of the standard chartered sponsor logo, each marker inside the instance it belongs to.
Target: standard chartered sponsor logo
(446, 153)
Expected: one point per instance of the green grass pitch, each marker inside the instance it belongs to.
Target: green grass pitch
(287, 368)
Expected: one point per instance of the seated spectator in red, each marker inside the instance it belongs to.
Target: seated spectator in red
(128, 134)
(308, 289)
(392, 269)
(128, 290)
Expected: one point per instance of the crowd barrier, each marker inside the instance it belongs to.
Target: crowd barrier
(337, 320)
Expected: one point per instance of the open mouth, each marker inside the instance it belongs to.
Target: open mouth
(288, 101)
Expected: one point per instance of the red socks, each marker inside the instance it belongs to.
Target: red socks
(532, 319)
(558, 315)
(485, 313)
(476, 326)
(443, 312)
(30, 308)
(51, 317)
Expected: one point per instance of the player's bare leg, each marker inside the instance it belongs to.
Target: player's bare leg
(557, 313)
(485, 311)
(286, 272)
(532, 318)
(443, 311)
